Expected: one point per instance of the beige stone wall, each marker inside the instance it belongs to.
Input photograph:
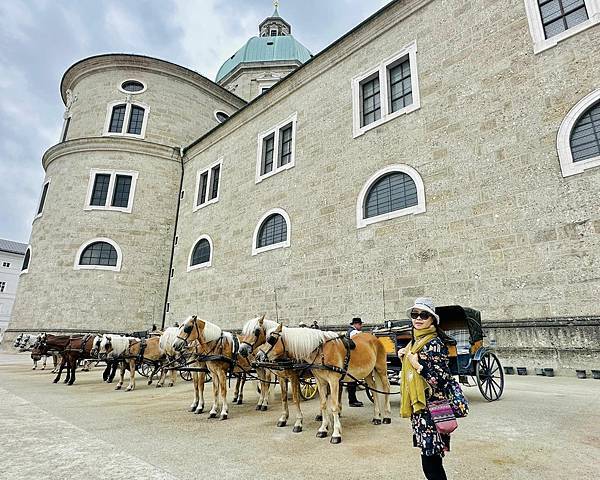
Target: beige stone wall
(53, 295)
(504, 232)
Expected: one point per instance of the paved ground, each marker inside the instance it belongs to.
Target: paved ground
(542, 428)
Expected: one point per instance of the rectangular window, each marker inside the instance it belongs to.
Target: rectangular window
(386, 91)
(111, 190)
(43, 198)
(276, 149)
(100, 192)
(2, 286)
(117, 119)
(66, 129)
(268, 149)
(136, 120)
(121, 191)
(560, 15)
(207, 185)
(371, 102)
(6, 264)
(400, 85)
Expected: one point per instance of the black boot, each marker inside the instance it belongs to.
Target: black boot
(352, 400)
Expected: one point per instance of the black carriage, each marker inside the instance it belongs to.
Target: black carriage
(470, 360)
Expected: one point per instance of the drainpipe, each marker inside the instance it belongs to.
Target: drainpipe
(164, 316)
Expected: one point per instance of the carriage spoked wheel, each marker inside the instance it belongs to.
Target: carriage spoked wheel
(144, 369)
(186, 375)
(308, 388)
(490, 377)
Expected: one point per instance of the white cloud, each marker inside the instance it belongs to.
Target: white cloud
(15, 19)
(124, 29)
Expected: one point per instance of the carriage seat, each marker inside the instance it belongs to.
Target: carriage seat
(462, 338)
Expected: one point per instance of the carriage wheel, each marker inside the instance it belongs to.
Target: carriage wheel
(186, 375)
(144, 369)
(308, 388)
(490, 377)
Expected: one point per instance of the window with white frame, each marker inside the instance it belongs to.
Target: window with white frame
(42, 200)
(207, 185)
(26, 259)
(99, 254)
(6, 264)
(201, 253)
(578, 140)
(2, 286)
(386, 91)
(128, 119)
(272, 231)
(551, 21)
(391, 192)
(111, 190)
(276, 150)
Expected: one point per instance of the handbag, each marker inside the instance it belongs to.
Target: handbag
(442, 416)
(456, 398)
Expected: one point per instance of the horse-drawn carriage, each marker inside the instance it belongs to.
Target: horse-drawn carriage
(469, 359)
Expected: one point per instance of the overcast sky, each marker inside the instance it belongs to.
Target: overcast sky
(40, 39)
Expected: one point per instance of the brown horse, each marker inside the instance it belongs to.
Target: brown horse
(327, 355)
(55, 343)
(218, 349)
(78, 348)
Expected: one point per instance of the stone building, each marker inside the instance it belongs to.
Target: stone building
(446, 148)
(13, 260)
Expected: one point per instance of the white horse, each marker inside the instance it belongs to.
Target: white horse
(115, 348)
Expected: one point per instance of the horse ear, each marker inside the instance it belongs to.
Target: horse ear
(194, 317)
(279, 327)
(201, 323)
(261, 320)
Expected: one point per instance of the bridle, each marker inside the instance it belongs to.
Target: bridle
(188, 329)
(257, 332)
(274, 337)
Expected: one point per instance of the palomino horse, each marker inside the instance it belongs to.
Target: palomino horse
(219, 350)
(330, 359)
(133, 351)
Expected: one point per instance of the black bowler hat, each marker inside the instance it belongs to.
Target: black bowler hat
(356, 320)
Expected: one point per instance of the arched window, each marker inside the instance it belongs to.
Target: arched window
(99, 253)
(26, 259)
(127, 119)
(395, 191)
(221, 116)
(272, 231)
(201, 253)
(578, 139)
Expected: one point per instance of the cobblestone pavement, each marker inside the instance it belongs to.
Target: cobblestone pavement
(542, 428)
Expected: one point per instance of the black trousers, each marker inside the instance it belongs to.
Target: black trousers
(351, 392)
(433, 468)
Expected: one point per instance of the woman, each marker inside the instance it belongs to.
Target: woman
(425, 373)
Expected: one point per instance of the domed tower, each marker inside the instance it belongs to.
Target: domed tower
(263, 60)
(101, 243)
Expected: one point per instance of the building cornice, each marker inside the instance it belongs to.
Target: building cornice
(363, 34)
(110, 144)
(243, 67)
(98, 63)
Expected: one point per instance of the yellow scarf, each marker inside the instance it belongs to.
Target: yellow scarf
(414, 386)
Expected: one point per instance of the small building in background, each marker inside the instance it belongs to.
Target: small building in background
(12, 256)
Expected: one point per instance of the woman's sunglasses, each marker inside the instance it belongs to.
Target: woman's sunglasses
(421, 315)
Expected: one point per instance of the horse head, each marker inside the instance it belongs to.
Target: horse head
(105, 346)
(274, 348)
(17, 342)
(95, 351)
(253, 335)
(188, 332)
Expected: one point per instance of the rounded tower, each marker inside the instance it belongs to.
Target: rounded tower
(101, 242)
(263, 60)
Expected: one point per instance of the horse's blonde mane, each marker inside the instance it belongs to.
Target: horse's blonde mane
(167, 339)
(251, 325)
(301, 342)
(211, 331)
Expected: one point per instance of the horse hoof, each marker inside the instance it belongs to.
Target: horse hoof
(150, 382)
(376, 421)
(235, 399)
(192, 409)
(387, 421)
(158, 385)
(297, 429)
(212, 415)
(319, 418)
(335, 440)
(54, 381)
(264, 408)
(199, 411)
(118, 387)
(258, 408)
(239, 402)
(223, 417)
(281, 423)
(321, 434)
(171, 384)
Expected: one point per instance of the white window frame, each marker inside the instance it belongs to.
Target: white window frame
(132, 80)
(2, 288)
(116, 268)
(208, 264)
(46, 182)
(536, 29)
(208, 185)
(420, 207)
(123, 132)
(223, 112)
(382, 70)
(5, 264)
(563, 140)
(111, 186)
(286, 244)
(293, 119)
(26, 270)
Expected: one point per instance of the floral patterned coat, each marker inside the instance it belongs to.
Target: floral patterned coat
(436, 372)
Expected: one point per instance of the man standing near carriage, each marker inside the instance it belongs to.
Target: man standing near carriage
(354, 328)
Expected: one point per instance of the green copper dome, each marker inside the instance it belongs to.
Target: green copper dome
(266, 49)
